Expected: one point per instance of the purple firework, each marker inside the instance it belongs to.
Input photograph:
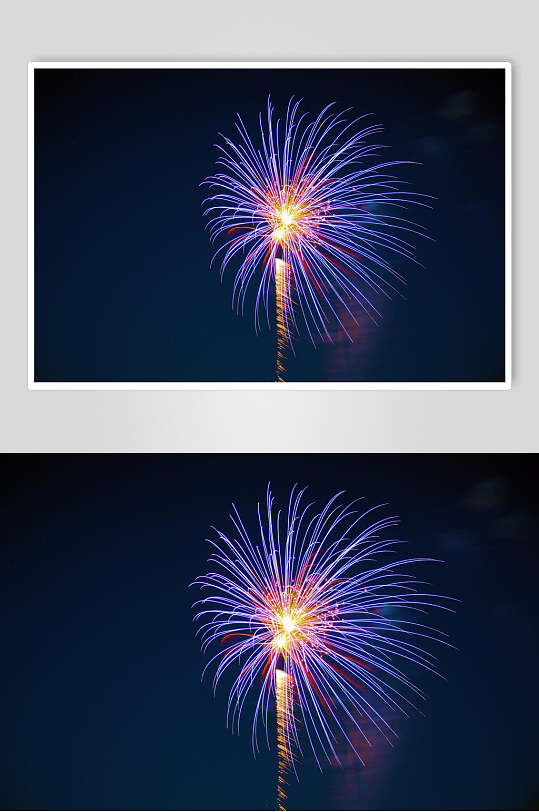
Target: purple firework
(314, 598)
(304, 212)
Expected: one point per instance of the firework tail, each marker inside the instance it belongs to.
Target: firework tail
(281, 297)
(284, 750)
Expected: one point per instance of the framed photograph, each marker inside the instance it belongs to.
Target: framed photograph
(296, 225)
(269, 631)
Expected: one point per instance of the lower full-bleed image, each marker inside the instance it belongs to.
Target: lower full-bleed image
(279, 631)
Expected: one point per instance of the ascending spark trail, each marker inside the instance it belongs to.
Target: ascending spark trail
(282, 299)
(284, 753)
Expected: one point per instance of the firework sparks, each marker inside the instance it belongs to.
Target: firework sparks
(284, 707)
(283, 304)
(311, 195)
(310, 622)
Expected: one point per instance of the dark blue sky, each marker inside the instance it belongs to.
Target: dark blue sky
(123, 289)
(103, 707)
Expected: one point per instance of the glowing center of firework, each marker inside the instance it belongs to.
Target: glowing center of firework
(288, 629)
(285, 222)
(281, 641)
(287, 217)
(289, 623)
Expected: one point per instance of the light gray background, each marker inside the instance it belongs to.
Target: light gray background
(400, 421)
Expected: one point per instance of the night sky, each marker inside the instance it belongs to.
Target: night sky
(123, 287)
(103, 705)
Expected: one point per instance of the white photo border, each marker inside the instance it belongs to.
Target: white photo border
(271, 385)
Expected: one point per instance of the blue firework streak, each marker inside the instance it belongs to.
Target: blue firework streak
(315, 597)
(310, 194)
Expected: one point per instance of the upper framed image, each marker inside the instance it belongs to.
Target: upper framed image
(258, 225)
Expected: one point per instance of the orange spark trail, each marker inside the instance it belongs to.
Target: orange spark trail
(282, 300)
(284, 752)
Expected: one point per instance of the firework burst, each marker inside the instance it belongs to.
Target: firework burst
(311, 196)
(313, 614)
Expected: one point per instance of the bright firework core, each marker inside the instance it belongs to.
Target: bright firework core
(289, 623)
(285, 222)
(293, 627)
(287, 626)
